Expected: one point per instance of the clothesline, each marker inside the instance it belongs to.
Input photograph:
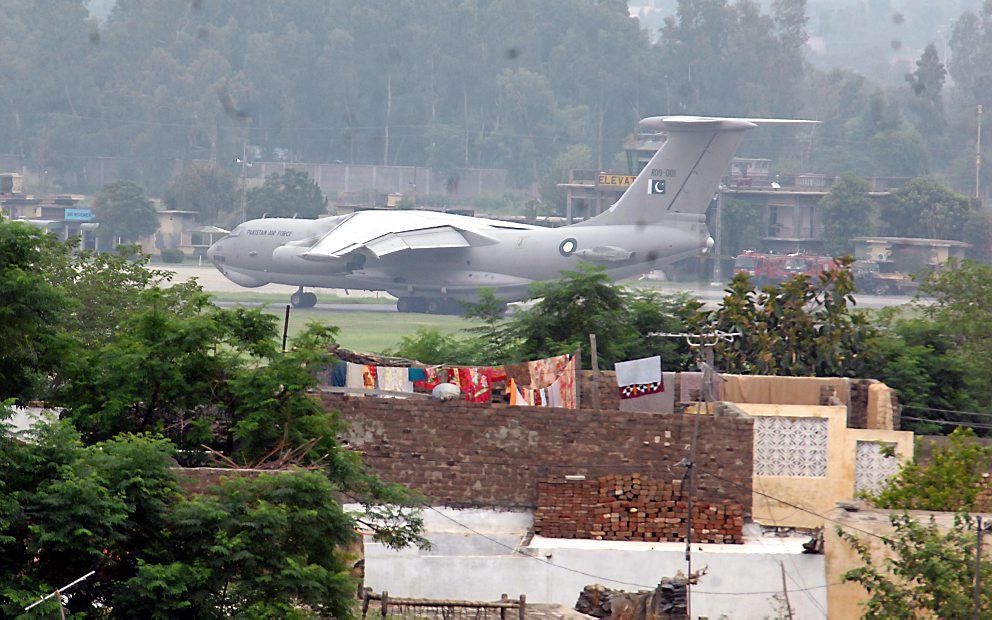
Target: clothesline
(549, 382)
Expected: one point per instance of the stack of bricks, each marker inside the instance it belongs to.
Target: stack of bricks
(632, 507)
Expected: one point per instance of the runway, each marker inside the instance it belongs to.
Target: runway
(213, 282)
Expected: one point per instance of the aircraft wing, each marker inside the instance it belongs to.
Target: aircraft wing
(383, 233)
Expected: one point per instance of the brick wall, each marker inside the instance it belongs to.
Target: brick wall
(632, 507)
(464, 454)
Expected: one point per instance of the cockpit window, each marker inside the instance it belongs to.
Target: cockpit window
(240, 228)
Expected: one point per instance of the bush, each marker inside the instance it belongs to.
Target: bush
(172, 255)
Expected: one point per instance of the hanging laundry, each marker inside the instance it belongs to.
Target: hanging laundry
(432, 378)
(545, 372)
(519, 373)
(567, 384)
(416, 374)
(354, 375)
(394, 378)
(369, 377)
(640, 377)
(517, 398)
(474, 384)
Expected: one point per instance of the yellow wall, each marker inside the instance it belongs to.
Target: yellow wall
(847, 600)
(816, 495)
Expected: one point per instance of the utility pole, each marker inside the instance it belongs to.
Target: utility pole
(978, 155)
(977, 602)
(244, 179)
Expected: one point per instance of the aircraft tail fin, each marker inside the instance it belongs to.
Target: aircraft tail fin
(684, 173)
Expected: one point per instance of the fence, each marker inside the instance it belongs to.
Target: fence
(429, 608)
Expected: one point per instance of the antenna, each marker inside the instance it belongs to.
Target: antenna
(703, 343)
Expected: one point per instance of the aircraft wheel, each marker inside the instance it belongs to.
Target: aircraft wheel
(411, 304)
(309, 300)
(433, 306)
(296, 299)
(453, 306)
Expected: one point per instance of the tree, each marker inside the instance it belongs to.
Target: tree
(959, 291)
(123, 212)
(575, 157)
(926, 82)
(30, 344)
(269, 546)
(950, 481)
(930, 572)
(848, 212)
(290, 194)
(915, 357)
(209, 190)
(800, 327)
(925, 208)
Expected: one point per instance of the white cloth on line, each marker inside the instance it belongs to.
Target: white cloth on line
(639, 372)
(353, 376)
(394, 378)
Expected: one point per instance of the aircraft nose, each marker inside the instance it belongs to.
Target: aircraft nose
(214, 250)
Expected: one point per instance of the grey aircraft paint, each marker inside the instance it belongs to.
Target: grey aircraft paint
(432, 261)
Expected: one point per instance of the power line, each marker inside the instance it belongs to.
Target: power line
(947, 422)
(957, 411)
(600, 577)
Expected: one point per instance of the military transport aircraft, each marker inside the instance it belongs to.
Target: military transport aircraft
(432, 262)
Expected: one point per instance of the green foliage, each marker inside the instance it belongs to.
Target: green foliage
(931, 572)
(124, 212)
(30, 344)
(496, 342)
(950, 481)
(847, 212)
(432, 347)
(925, 208)
(933, 379)
(290, 194)
(261, 548)
(207, 189)
(800, 327)
(272, 546)
(960, 291)
(580, 303)
(173, 255)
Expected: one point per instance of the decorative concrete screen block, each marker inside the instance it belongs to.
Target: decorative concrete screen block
(873, 468)
(790, 447)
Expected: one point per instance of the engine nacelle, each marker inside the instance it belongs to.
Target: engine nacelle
(290, 259)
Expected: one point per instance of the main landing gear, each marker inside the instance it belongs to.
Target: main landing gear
(426, 305)
(302, 299)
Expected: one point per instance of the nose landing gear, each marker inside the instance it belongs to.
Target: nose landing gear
(302, 299)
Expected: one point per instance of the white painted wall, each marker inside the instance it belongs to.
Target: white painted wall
(740, 581)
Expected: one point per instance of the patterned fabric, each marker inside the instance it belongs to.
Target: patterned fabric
(545, 372)
(474, 383)
(369, 377)
(520, 373)
(872, 468)
(516, 396)
(638, 372)
(432, 379)
(790, 446)
(394, 378)
(641, 389)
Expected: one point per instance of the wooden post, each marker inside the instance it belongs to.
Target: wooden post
(504, 598)
(522, 610)
(595, 372)
(978, 572)
(385, 603)
(285, 329)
